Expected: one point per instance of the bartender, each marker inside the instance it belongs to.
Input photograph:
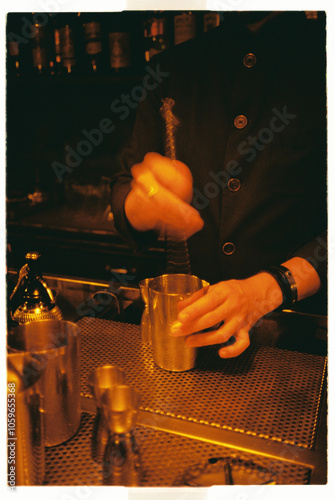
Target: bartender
(249, 185)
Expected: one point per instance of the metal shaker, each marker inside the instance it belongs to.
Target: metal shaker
(165, 293)
(25, 442)
(58, 345)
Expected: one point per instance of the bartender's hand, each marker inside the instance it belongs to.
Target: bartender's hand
(161, 194)
(239, 304)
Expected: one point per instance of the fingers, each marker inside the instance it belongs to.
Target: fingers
(167, 187)
(202, 323)
(202, 306)
(166, 206)
(229, 302)
(189, 300)
(241, 344)
(144, 179)
(201, 312)
(211, 338)
(242, 340)
(173, 175)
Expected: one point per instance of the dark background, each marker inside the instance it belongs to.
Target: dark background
(69, 221)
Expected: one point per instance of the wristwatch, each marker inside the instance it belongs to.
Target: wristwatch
(287, 284)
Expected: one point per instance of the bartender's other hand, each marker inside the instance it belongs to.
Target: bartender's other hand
(238, 303)
(161, 194)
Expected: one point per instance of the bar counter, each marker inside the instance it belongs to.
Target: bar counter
(264, 411)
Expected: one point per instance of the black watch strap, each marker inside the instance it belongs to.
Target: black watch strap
(287, 284)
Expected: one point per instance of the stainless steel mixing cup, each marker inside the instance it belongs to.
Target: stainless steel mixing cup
(58, 345)
(25, 442)
(165, 293)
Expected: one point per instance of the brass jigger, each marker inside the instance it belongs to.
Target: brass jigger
(102, 379)
(122, 464)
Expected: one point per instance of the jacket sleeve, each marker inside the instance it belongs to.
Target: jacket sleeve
(315, 252)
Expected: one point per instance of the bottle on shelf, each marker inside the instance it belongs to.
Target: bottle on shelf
(211, 20)
(119, 42)
(92, 33)
(156, 34)
(14, 46)
(185, 26)
(56, 64)
(41, 45)
(67, 34)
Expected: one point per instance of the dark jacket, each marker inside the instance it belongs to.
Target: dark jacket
(252, 111)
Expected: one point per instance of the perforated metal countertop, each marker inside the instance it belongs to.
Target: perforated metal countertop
(266, 392)
(165, 459)
(270, 394)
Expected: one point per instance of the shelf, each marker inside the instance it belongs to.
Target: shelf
(74, 80)
(75, 243)
(66, 218)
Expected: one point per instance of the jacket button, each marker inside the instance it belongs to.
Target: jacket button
(228, 248)
(240, 121)
(249, 60)
(234, 184)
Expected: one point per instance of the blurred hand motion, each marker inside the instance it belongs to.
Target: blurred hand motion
(161, 194)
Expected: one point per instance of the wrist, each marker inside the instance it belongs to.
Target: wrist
(305, 275)
(287, 284)
(266, 292)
